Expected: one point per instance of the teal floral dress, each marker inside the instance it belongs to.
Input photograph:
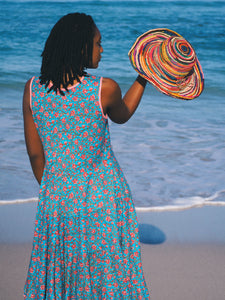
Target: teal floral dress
(86, 243)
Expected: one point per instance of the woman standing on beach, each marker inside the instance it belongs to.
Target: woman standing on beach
(86, 243)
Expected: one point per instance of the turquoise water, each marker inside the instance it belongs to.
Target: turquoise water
(171, 151)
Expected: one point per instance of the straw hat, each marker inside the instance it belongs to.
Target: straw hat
(169, 62)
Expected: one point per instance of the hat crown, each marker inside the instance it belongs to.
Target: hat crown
(177, 56)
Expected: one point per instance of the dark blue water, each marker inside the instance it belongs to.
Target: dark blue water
(171, 151)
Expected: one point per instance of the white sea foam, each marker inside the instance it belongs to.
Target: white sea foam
(186, 203)
(18, 201)
(179, 204)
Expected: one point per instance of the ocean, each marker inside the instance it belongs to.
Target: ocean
(171, 151)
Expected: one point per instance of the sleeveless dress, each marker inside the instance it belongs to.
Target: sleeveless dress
(86, 243)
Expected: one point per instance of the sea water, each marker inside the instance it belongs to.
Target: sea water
(171, 151)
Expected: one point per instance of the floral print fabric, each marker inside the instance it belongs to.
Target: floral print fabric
(86, 243)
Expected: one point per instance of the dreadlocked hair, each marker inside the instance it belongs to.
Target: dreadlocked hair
(67, 51)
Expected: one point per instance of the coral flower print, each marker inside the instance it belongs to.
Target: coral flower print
(86, 243)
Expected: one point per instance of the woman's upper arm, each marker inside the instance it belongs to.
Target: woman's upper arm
(33, 142)
(112, 101)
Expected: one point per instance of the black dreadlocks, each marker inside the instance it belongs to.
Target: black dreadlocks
(67, 51)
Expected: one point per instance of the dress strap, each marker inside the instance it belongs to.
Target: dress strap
(100, 99)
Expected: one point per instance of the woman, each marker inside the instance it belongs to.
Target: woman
(86, 243)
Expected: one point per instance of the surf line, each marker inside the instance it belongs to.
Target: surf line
(190, 202)
(18, 201)
(177, 207)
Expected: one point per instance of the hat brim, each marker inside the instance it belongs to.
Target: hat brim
(143, 60)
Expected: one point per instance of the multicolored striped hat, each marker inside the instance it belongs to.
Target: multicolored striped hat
(169, 62)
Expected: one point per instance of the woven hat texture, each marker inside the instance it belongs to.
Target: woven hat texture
(169, 62)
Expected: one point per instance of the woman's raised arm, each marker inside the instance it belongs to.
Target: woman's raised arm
(118, 108)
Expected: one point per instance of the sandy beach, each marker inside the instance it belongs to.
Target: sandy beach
(182, 252)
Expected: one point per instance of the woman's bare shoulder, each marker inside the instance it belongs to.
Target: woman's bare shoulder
(108, 83)
(110, 89)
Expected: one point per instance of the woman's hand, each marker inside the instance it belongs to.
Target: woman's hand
(33, 142)
(117, 108)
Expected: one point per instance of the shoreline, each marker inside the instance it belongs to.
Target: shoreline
(196, 225)
(196, 202)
